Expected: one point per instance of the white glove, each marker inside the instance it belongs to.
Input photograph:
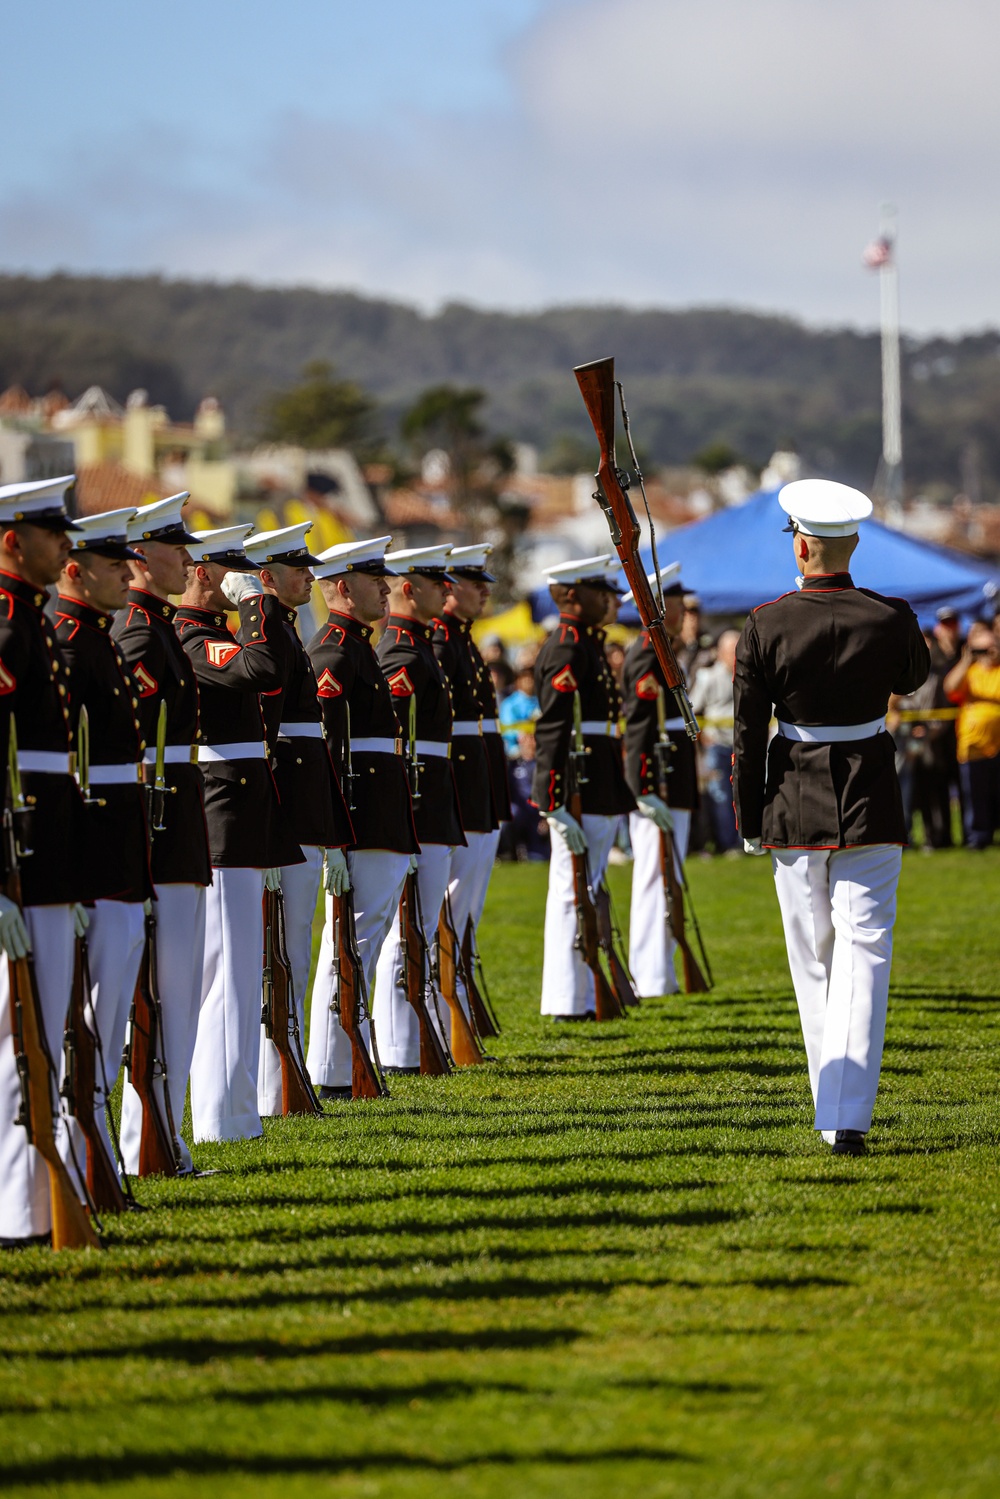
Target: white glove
(272, 879)
(656, 810)
(569, 830)
(81, 920)
(413, 864)
(752, 846)
(147, 908)
(240, 586)
(336, 875)
(14, 939)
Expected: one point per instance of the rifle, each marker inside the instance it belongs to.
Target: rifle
(465, 1047)
(71, 1226)
(79, 1088)
(279, 1013)
(672, 874)
(350, 1003)
(143, 1056)
(435, 1059)
(483, 1014)
(612, 946)
(607, 1006)
(597, 386)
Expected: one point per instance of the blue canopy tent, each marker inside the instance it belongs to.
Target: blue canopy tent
(741, 557)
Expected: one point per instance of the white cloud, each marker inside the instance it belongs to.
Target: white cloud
(660, 151)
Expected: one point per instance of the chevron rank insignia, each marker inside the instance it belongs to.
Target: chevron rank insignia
(647, 686)
(564, 681)
(327, 684)
(219, 652)
(400, 684)
(145, 680)
(7, 680)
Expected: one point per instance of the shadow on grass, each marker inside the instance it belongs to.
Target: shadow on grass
(204, 1350)
(203, 1464)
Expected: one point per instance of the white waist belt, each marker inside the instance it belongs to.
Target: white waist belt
(608, 729)
(834, 733)
(44, 762)
(672, 725)
(173, 754)
(376, 746)
(300, 731)
(115, 775)
(433, 748)
(466, 726)
(250, 749)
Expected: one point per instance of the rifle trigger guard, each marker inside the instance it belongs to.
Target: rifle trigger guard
(605, 504)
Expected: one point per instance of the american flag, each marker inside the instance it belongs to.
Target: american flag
(878, 253)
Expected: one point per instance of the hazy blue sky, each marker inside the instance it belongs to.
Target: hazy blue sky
(513, 153)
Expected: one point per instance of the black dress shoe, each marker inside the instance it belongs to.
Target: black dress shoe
(401, 1071)
(849, 1142)
(334, 1095)
(31, 1241)
(567, 1019)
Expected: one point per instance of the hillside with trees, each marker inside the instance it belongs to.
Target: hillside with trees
(698, 380)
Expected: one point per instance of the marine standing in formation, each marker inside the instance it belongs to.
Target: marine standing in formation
(576, 693)
(647, 700)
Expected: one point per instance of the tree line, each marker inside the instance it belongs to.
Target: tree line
(700, 382)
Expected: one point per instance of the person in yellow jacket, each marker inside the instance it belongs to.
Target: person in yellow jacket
(974, 684)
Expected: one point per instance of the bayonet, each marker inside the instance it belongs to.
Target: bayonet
(83, 761)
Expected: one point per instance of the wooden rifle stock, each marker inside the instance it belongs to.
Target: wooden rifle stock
(279, 1015)
(694, 980)
(366, 1076)
(597, 386)
(434, 1057)
(606, 1003)
(465, 1047)
(617, 967)
(157, 1149)
(80, 1088)
(483, 1017)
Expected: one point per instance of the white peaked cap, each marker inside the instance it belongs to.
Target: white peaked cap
(474, 556)
(220, 546)
(819, 507)
(354, 557)
(109, 529)
(430, 560)
(667, 575)
(287, 544)
(44, 499)
(161, 521)
(599, 570)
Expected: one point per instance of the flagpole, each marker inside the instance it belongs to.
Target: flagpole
(889, 478)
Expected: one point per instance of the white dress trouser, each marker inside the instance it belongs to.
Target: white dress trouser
(226, 1051)
(115, 940)
(838, 908)
(396, 1024)
(567, 982)
(24, 1176)
(471, 868)
(180, 960)
(651, 945)
(300, 890)
(377, 878)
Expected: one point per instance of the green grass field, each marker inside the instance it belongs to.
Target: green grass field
(616, 1263)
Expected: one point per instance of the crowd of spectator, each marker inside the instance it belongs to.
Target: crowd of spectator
(947, 737)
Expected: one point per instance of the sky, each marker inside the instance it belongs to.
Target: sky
(514, 153)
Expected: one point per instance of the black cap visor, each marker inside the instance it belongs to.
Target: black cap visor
(472, 574)
(45, 520)
(374, 569)
(290, 559)
(174, 536)
(120, 551)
